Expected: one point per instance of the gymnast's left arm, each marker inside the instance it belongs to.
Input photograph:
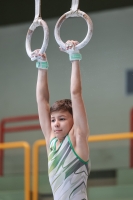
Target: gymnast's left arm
(81, 126)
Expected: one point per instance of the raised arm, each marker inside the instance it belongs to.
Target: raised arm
(42, 96)
(80, 131)
(79, 114)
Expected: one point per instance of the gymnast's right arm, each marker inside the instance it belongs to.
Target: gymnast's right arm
(42, 97)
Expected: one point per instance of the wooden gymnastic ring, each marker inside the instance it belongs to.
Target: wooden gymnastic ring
(78, 13)
(34, 25)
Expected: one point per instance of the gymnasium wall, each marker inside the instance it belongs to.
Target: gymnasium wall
(106, 60)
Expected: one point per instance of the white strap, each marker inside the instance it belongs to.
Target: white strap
(75, 5)
(37, 9)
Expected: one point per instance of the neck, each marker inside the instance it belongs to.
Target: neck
(61, 139)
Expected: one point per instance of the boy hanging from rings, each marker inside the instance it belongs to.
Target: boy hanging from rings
(65, 128)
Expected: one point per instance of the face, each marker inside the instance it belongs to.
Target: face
(61, 123)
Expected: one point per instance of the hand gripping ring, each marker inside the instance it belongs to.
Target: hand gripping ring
(34, 25)
(77, 13)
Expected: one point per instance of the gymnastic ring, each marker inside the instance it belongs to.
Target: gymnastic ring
(78, 13)
(34, 25)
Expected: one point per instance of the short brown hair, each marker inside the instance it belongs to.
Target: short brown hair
(64, 105)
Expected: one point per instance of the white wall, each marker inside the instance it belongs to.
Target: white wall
(105, 61)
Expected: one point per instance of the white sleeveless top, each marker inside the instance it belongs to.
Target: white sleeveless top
(68, 173)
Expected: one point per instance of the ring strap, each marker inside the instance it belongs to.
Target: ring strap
(37, 9)
(75, 5)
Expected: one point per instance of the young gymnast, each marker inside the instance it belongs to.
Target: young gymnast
(65, 128)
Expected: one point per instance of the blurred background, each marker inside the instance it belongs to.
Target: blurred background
(107, 80)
